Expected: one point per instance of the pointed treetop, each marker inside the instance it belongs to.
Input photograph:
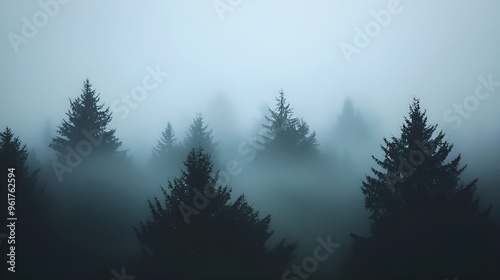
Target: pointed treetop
(168, 142)
(415, 170)
(200, 136)
(12, 151)
(87, 119)
(286, 132)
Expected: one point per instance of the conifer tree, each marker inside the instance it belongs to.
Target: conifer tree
(350, 126)
(167, 144)
(14, 156)
(199, 136)
(167, 155)
(198, 233)
(87, 121)
(23, 198)
(286, 133)
(426, 223)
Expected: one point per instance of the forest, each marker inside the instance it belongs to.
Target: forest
(195, 212)
(257, 140)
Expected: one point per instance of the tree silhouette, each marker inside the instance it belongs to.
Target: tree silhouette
(13, 154)
(426, 224)
(168, 152)
(286, 133)
(25, 200)
(200, 234)
(350, 129)
(199, 136)
(87, 121)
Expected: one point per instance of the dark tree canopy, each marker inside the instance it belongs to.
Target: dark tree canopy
(87, 121)
(199, 136)
(13, 154)
(426, 224)
(415, 172)
(28, 201)
(286, 133)
(198, 233)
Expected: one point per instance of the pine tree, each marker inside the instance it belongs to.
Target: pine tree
(199, 136)
(24, 199)
(286, 133)
(167, 155)
(87, 121)
(13, 154)
(167, 144)
(425, 222)
(199, 234)
(350, 125)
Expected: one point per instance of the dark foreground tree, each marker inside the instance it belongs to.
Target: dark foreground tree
(85, 134)
(287, 134)
(426, 223)
(200, 234)
(23, 199)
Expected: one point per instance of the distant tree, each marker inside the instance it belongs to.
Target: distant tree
(199, 234)
(87, 121)
(426, 224)
(168, 153)
(350, 138)
(199, 136)
(350, 124)
(286, 133)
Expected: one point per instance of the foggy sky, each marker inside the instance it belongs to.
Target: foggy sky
(435, 50)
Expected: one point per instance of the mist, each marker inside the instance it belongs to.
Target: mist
(350, 73)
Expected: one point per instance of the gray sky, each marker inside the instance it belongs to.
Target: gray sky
(242, 57)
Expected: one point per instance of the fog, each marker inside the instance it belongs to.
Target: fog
(228, 61)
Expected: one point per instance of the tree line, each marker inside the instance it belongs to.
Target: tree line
(426, 222)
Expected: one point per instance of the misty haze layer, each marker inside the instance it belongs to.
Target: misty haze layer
(134, 113)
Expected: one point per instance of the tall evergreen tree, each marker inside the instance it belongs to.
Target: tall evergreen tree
(87, 121)
(200, 234)
(199, 136)
(426, 223)
(286, 133)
